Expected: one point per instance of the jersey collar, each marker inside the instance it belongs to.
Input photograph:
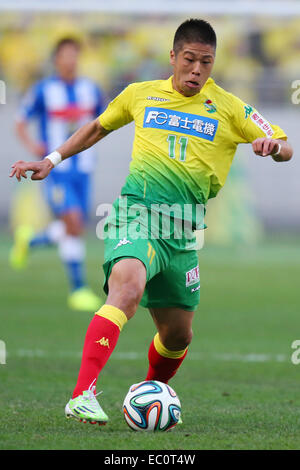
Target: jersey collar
(168, 86)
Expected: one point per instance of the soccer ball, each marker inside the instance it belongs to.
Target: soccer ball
(151, 406)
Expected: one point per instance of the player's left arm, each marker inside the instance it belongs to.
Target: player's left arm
(280, 150)
(250, 126)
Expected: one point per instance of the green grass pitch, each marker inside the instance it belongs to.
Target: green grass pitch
(238, 386)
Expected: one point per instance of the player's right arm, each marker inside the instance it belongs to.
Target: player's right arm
(31, 106)
(82, 139)
(35, 147)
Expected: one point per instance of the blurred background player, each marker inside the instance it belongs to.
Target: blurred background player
(60, 104)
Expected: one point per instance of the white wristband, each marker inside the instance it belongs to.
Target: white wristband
(54, 157)
(278, 151)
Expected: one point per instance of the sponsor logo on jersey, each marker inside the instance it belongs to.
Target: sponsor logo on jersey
(248, 110)
(261, 122)
(156, 98)
(192, 276)
(177, 121)
(210, 107)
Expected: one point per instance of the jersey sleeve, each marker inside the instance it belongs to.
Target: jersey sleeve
(249, 124)
(119, 112)
(31, 104)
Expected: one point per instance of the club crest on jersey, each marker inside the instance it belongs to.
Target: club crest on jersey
(177, 121)
(210, 107)
(192, 276)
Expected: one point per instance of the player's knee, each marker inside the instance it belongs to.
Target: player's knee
(74, 229)
(130, 294)
(73, 223)
(126, 285)
(126, 295)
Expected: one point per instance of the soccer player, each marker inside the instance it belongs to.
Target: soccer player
(60, 104)
(187, 130)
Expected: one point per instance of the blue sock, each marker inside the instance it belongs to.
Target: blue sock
(75, 273)
(72, 252)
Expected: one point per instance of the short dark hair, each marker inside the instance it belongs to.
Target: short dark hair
(194, 30)
(67, 41)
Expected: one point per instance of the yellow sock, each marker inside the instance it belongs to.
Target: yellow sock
(163, 351)
(113, 314)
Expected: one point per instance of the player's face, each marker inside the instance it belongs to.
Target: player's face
(192, 66)
(66, 61)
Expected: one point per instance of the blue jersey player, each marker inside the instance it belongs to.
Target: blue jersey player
(60, 104)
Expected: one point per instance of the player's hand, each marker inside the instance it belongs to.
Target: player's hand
(265, 146)
(39, 169)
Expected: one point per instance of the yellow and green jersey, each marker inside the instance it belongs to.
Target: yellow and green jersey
(183, 146)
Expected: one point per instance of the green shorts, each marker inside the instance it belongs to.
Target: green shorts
(171, 263)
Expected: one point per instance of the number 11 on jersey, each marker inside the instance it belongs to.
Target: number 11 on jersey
(183, 141)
